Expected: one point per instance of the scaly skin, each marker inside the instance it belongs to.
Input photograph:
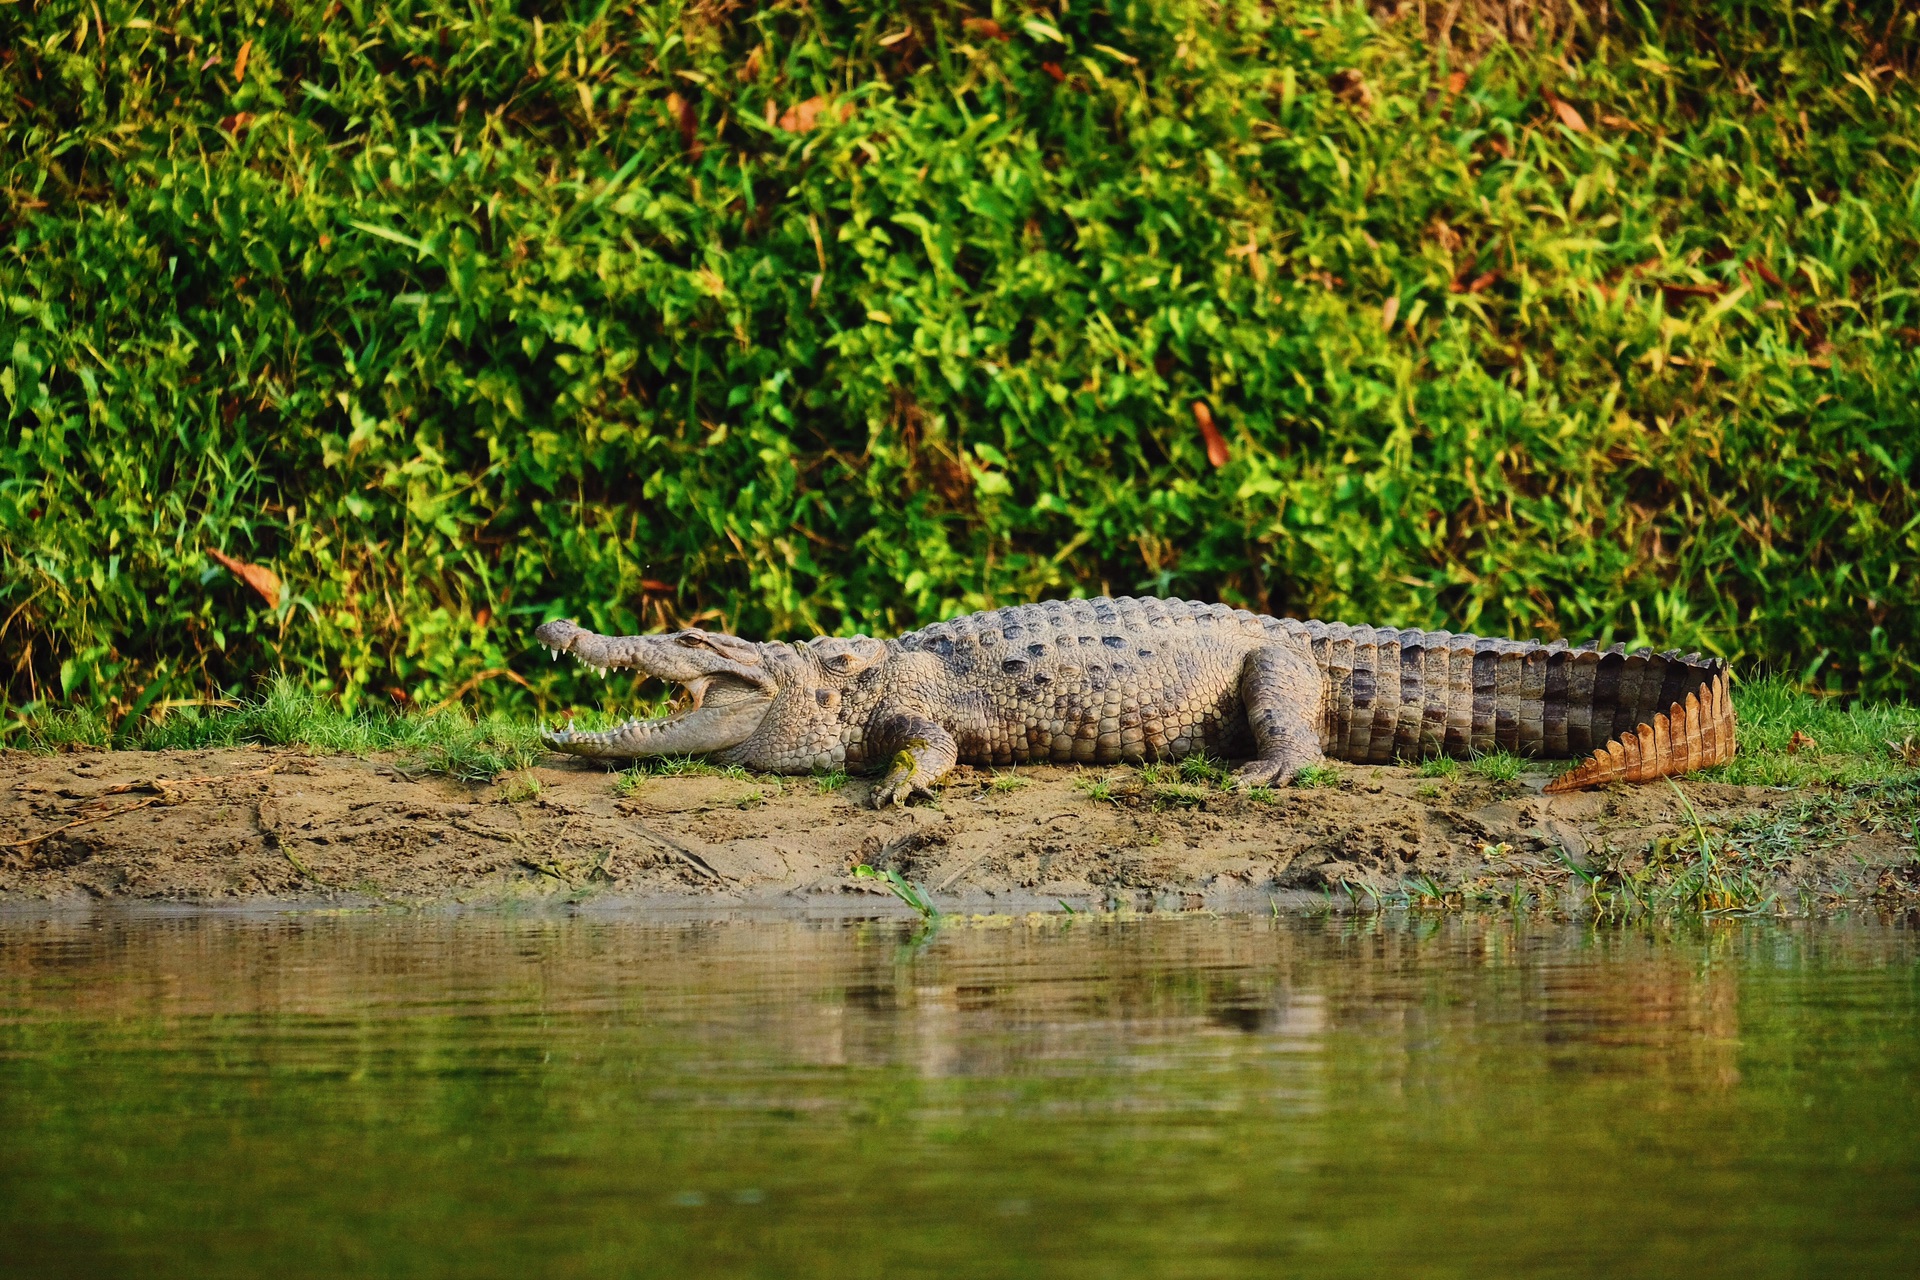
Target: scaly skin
(1104, 681)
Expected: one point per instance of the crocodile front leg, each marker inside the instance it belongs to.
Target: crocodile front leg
(918, 752)
(1285, 697)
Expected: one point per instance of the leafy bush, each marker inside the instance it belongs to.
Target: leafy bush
(802, 317)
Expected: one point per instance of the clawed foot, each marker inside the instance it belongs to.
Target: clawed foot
(1265, 773)
(904, 781)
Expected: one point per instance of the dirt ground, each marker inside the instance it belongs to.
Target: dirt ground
(270, 825)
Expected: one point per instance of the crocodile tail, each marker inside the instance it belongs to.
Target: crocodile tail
(1687, 736)
(1411, 694)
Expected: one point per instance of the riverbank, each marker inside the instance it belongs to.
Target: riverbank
(277, 825)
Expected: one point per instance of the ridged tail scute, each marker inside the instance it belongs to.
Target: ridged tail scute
(1689, 735)
(1409, 694)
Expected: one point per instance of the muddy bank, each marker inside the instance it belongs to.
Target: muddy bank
(275, 825)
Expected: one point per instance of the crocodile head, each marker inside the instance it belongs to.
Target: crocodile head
(729, 686)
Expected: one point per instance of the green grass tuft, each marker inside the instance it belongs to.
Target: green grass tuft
(1439, 767)
(288, 714)
(1317, 775)
(1205, 771)
(1500, 766)
(1092, 787)
(1841, 744)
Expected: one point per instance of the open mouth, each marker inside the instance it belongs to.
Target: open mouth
(710, 713)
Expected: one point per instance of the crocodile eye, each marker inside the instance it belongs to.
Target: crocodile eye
(691, 639)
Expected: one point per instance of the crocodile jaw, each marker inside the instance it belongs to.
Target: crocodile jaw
(728, 691)
(712, 726)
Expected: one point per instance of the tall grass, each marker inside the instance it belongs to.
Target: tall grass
(290, 715)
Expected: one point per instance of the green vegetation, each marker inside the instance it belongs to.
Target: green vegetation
(518, 788)
(1439, 767)
(1093, 788)
(1837, 743)
(902, 888)
(1203, 770)
(804, 318)
(448, 741)
(1498, 766)
(1700, 872)
(1317, 775)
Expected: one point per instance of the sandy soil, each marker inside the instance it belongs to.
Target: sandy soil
(275, 825)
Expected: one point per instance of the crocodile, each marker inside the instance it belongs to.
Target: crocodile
(1104, 681)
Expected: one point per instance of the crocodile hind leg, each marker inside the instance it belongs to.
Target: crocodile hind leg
(918, 751)
(1285, 697)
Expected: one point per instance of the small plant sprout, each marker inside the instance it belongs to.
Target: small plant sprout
(1317, 775)
(518, 788)
(1094, 788)
(902, 888)
(1439, 767)
(1205, 771)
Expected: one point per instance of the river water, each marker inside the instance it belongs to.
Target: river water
(488, 1095)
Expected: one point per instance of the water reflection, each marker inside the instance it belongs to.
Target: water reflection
(783, 1097)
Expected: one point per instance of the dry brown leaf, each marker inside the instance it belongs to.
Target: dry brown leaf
(801, 117)
(1457, 82)
(689, 121)
(1389, 312)
(1351, 85)
(240, 62)
(1801, 741)
(985, 28)
(1767, 273)
(259, 577)
(1568, 116)
(1216, 443)
(1482, 281)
